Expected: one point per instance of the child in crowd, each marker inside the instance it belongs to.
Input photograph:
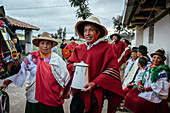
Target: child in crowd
(131, 61)
(138, 76)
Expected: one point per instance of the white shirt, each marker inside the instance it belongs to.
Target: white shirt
(96, 42)
(129, 66)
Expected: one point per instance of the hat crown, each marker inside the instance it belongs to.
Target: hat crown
(79, 27)
(160, 51)
(143, 48)
(93, 19)
(45, 34)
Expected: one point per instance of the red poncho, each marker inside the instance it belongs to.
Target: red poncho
(103, 71)
(70, 45)
(119, 48)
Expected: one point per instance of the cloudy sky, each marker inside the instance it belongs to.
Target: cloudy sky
(49, 15)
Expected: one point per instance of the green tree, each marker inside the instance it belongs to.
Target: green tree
(83, 10)
(120, 29)
(59, 31)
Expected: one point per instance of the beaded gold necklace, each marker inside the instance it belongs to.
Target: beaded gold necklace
(45, 55)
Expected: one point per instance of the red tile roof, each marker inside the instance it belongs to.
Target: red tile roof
(20, 24)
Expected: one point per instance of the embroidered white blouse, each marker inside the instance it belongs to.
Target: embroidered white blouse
(161, 86)
(58, 67)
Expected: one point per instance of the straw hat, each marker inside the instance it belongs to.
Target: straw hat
(159, 52)
(44, 36)
(79, 27)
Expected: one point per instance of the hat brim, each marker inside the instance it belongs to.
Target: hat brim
(36, 41)
(111, 36)
(163, 57)
(79, 27)
(138, 50)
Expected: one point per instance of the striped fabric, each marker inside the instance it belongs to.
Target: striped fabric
(113, 73)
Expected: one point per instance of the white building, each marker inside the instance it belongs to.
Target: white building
(151, 21)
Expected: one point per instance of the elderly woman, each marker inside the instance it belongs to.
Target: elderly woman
(149, 96)
(46, 84)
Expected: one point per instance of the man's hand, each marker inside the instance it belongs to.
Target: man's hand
(74, 66)
(89, 87)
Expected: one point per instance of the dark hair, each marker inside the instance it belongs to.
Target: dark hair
(63, 39)
(15, 37)
(127, 41)
(143, 61)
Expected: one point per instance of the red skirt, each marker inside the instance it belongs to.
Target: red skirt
(137, 104)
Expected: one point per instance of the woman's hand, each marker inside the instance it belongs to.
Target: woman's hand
(141, 88)
(89, 87)
(3, 86)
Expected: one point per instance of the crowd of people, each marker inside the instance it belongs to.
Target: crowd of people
(142, 85)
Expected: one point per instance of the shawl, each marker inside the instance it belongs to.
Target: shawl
(155, 71)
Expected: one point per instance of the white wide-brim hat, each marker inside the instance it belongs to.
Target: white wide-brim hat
(79, 27)
(44, 36)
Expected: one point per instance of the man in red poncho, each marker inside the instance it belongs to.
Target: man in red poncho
(69, 48)
(121, 49)
(72, 44)
(104, 79)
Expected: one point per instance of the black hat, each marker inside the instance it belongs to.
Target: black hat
(118, 36)
(134, 49)
(143, 49)
(159, 52)
(72, 38)
(143, 61)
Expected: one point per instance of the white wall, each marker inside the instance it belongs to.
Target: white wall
(28, 44)
(138, 36)
(161, 37)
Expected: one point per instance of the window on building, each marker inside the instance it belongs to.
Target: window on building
(151, 34)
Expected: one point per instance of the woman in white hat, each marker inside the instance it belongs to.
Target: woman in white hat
(104, 78)
(46, 85)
